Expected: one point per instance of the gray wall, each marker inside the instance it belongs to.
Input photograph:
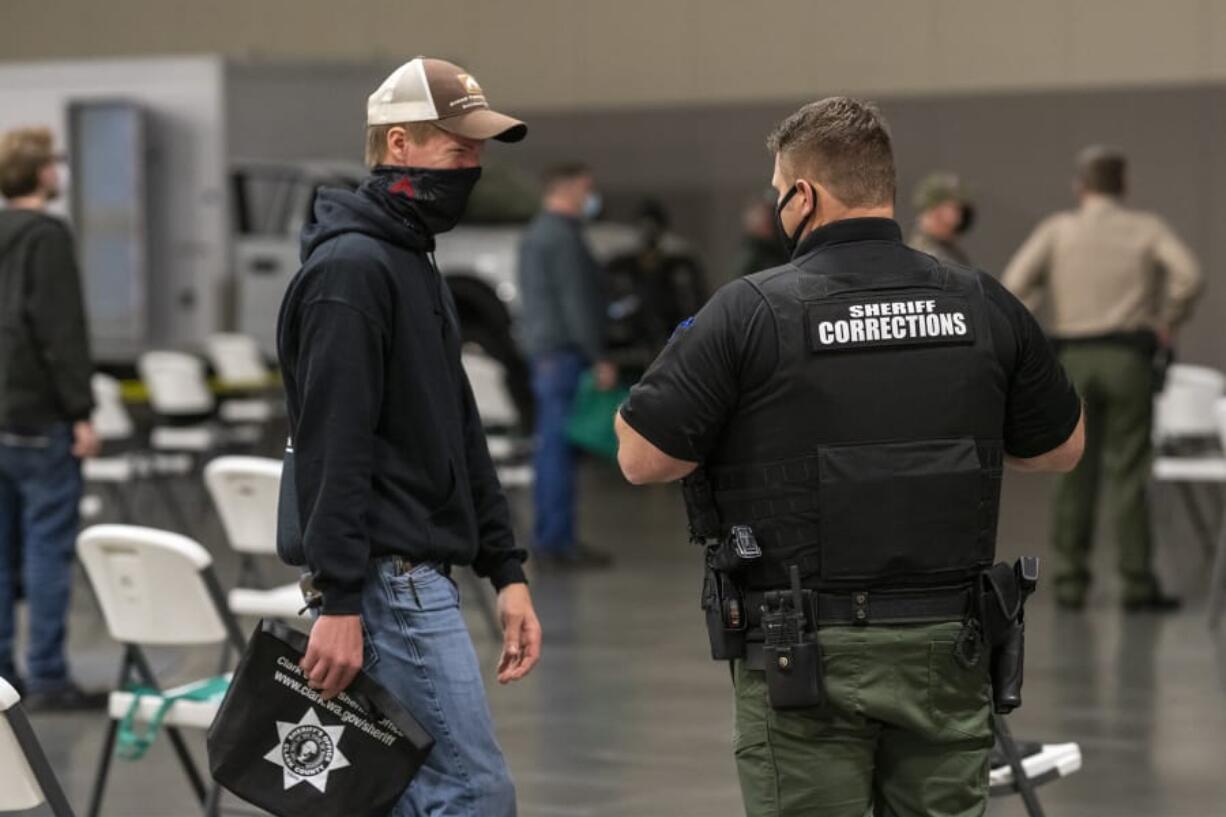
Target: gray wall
(577, 54)
(298, 110)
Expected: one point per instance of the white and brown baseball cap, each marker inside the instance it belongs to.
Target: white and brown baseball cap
(430, 90)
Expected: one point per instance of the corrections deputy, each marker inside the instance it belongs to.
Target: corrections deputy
(1117, 283)
(848, 416)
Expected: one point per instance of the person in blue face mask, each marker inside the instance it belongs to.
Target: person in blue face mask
(564, 331)
(388, 482)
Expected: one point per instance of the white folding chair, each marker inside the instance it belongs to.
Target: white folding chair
(118, 466)
(155, 588)
(237, 360)
(1217, 574)
(1183, 410)
(1186, 437)
(178, 391)
(241, 371)
(26, 777)
(1020, 767)
(245, 491)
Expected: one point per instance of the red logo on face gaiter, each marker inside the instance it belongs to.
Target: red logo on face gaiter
(403, 186)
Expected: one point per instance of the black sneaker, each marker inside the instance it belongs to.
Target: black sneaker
(66, 698)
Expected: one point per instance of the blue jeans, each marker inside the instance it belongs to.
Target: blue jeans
(418, 648)
(40, 493)
(555, 381)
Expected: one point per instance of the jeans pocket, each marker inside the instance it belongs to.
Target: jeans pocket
(959, 699)
(370, 653)
(424, 589)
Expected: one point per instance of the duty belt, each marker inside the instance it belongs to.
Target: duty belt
(863, 607)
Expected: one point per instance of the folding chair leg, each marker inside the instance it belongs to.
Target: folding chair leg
(1196, 514)
(223, 664)
(212, 808)
(43, 773)
(104, 769)
(1217, 580)
(162, 485)
(189, 765)
(1021, 781)
(488, 614)
(122, 506)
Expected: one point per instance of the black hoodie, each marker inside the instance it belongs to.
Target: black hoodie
(387, 455)
(44, 344)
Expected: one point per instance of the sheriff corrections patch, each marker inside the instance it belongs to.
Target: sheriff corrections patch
(878, 322)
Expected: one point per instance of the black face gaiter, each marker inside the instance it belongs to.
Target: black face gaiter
(433, 198)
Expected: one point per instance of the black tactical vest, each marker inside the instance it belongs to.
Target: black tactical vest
(872, 458)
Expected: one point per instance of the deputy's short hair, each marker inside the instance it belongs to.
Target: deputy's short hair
(23, 155)
(563, 172)
(844, 144)
(1102, 169)
(376, 138)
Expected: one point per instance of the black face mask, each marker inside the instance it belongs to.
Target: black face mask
(790, 241)
(967, 221)
(434, 198)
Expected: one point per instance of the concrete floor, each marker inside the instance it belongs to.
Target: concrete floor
(626, 715)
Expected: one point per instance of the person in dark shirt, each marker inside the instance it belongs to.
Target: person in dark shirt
(563, 330)
(45, 406)
(388, 480)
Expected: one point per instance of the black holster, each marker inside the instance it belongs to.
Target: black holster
(1004, 591)
(724, 605)
(725, 557)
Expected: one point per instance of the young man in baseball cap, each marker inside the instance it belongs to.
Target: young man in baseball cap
(388, 481)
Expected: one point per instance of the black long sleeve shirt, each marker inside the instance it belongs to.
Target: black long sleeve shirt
(45, 365)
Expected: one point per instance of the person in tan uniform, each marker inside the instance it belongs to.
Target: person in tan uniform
(1116, 284)
(945, 214)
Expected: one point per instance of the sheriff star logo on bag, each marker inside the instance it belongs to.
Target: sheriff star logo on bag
(308, 751)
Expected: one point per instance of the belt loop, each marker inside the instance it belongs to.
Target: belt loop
(859, 607)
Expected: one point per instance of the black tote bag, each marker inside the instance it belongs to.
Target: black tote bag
(278, 746)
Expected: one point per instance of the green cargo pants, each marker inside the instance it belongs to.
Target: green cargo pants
(1116, 383)
(906, 730)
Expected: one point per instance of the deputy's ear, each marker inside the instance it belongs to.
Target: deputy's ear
(811, 193)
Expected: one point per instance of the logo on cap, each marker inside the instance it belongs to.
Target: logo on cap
(473, 96)
(307, 752)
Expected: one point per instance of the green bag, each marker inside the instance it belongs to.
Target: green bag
(131, 744)
(591, 420)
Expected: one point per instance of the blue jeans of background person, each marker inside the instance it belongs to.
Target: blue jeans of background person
(40, 493)
(418, 648)
(555, 382)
